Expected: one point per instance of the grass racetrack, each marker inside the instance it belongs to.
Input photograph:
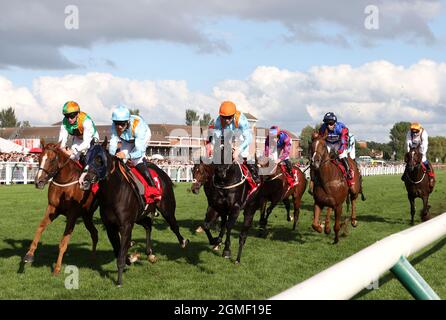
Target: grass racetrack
(268, 265)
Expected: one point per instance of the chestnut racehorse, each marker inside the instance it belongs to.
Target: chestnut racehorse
(64, 197)
(330, 186)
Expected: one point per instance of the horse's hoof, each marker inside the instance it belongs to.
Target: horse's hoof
(199, 229)
(335, 241)
(184, 243)
(152, 258)
(28, 258)
(56, 272)
(216, 247)
(317, 228)
(327, 230)
(227, 254)
(134, 257)
(354, 223)
(237, 262)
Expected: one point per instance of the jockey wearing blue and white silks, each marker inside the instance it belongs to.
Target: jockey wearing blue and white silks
(133, 134)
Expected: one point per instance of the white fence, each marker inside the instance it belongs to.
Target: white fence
(23, 172)
(350, 276)
(381, 170)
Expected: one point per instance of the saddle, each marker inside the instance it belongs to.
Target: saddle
(146, 194)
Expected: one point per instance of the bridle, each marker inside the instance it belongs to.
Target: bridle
(51, 175)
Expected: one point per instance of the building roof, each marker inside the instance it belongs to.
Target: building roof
(250, 116)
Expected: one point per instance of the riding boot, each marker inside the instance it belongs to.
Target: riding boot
(142, 168)
(430, 174)
(289, 167)
(252, 167)
(347, 167)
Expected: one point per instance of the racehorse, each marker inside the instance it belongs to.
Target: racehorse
(330, 186)
(417, 183)
(228, 195)
(120, 205)
(64, 197)
(275, 188)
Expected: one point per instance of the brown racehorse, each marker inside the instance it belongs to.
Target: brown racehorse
(275, 188)
(64, 197)
(417, 183)
(330, 186)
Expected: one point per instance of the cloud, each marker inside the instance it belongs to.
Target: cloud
(369, 99)
(33, 34)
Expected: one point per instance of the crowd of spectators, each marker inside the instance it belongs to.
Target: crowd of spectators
(19, 157)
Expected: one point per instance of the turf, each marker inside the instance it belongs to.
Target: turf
(269, 264)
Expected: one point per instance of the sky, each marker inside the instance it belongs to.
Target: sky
(288, 62)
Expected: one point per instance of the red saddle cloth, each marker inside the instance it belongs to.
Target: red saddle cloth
(351, 181)
(151, 194)
(430, 173)
(252, 185)
(292, 180)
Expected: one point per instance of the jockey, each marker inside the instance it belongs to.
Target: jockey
(79, 125)
(231, 119)
(283, 141)
(133, 133)
(337, 138)
(417, 137)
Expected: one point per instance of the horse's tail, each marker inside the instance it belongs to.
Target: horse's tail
(361, 191)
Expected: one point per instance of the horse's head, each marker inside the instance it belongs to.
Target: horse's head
(201, 174)
(96, 161)
(49, 165)
(413, 158)
(318, 150)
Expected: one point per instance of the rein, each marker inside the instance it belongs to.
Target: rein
(417, 182)
(234, 185)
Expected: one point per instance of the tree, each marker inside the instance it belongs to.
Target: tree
(134, 112)
(191, 117)
(305, 139)
(398, 138)
(24, 124)
(206, 120)
(8, 118)
(437, 149)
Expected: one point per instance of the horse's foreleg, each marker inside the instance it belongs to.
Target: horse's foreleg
(69, 227)
(296, 203)
(146, 222)
(229, 225)
(167, 209)
(316, 213)
(247, 222)
(353, 221)
(50, 215)
(262, 221)
(412, 209)
(425, 213)
(287, 204)
(126, 235)
(327, 228)
(337, 226)
(88, 222)
(209, 220)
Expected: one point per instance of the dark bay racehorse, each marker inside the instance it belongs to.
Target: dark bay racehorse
(120, 205)
(275, 188)
(227, 193)
(64, 197)
(330, 186)
(417, 183)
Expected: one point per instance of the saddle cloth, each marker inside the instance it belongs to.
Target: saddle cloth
(351, 181)
(149, 193)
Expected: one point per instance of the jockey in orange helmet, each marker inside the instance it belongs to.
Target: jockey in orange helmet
(231, 119)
